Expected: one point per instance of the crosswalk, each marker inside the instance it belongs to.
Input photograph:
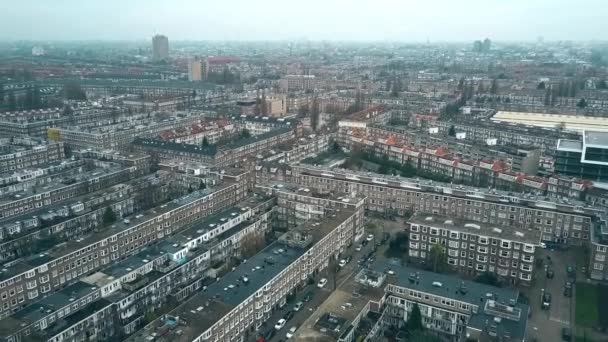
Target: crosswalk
(561, 321)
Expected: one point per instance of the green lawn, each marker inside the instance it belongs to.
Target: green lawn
(587, 301)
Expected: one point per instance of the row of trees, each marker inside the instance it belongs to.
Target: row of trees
(31, 100)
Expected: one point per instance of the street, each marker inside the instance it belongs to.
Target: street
(546, 325)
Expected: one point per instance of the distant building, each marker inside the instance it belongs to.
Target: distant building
(37, 51)
(160, 48)
(195, 70)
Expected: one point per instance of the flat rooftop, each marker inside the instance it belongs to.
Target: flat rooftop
(530, 236)
(596, 138)
(206, 308)
(291, 188)
(44, 307)
(569, 145)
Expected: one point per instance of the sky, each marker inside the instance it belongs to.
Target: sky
(382, 20)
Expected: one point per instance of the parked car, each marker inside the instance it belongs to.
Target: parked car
(546, 301)
(358, 249)
(322, 283)
(370, 237)
(550, 273)
(307, 297)
(342, 263)
(567, 292)
(298, 306)
(288, 315)
(566, 334)
(269, 334)
(291, 331)
(280, 324)
(571, 271)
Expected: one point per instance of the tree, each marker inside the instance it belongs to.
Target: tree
(67, 110)
(438, 258)
(480, 88)
(397, 88)
(73, 91)
(488, 278)
(109, 216)
(460, 84)
(205, 142)
(494, 87)
(452, 131)
(424, 336)
(245, 133)
(314, 114)
(582, 103)
(414, 321)
(303, 110)
(541, 85)
(12, 101)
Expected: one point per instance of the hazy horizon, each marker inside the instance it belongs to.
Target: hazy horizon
(316, 20)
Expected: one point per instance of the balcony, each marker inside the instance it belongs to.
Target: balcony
(137, 283)
(166, 266)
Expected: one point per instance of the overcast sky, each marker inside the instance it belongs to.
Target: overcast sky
(402, 20)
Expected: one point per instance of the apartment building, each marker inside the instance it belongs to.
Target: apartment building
(16, 157)
(297, 205)
(157, 278)
(299, 82)
(561, 222)
(452, 308)
(115, 137)
(102, 175)
(474, 248)
(29, 279)
(245, 298)
(213, 155)
(36, 123)
(502, 134)
(598, 249)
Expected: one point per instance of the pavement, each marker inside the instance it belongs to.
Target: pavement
(345, 274)
(319, 294)
(546, 325)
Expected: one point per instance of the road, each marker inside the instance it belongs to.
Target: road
(546, 325)
(345, 274)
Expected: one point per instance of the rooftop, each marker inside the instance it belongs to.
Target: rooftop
(596, 138)
(44, 307)
(531, 236)
(569, 145)
(206, 308)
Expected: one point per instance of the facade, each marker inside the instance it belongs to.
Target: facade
(15, 158)
(160, 48)
(30, 279)
(559, 222)
(218, 156)
(195, 70)
(474, 248)
(299, 82)
(265, 281)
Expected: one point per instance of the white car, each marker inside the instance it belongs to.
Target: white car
(342, 263)
(290, 333)
(298, 306)
(322, 283)
(358, 249)
(370, 237)
(280, 324)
